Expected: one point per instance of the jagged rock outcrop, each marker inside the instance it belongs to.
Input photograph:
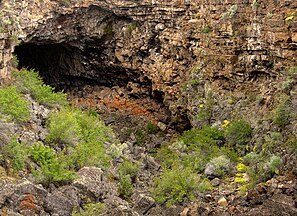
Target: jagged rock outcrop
(157, 45)
(178, 63)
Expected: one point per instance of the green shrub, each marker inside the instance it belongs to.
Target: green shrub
(175, 186)
(152, 128)
(91, 209)
(272, 140)
(16, 153)
(238, 134)
(282, 114)
(56, 171)
(127, 174)
(167, 156)
(291, 143)
(193, 149)
(206, 29)
(13, 105)
(251, 158)
(203, 137)
(260, 167)
(218, 166)
(41, 154)
(288, 84)
(28, 81)
(140, 137)
(204, 185)
(273, 164)
(64, 128)
(125, 186)
(53, 168)
(80, 133)
(202, 144)
(89, 154)
(128, 168)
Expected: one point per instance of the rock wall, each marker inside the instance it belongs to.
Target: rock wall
(227, 46)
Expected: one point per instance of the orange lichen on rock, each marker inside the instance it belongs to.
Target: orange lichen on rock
(113, 104)
(28, 203)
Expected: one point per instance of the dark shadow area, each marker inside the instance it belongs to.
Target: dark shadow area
(69, 68)
(65, 67)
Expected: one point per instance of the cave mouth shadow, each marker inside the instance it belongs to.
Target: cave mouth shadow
(52, 61)
(64, 66)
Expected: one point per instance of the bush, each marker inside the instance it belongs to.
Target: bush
(53, 168)
(140, 137)
(64, 128)
(126, 186)
(56, 172)
(282, 114)
(272, 165)
(238, 134)
(202, 145)
(218, 166)
(272, 140)
(291, 143)
(152, 128)
(81, 134)
(251, 158)
(41, 154)
(204, 185)
(127, 174)
(167, 156)
(128, 168)
(175, 186)
(260, 167)
(204, 137)
(28, 81)
(13, 104)
(16, 153)
(91, 209)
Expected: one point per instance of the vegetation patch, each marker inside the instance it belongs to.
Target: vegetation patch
(183, 160)
(13, 106)
(282, 114)
(15, 154)
(29, 82)
(127, 174)
(238, 135)
(91, 209)
(175, 186)
(81, 134)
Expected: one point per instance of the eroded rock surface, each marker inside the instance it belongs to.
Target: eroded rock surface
(152, 46)
(165, 62)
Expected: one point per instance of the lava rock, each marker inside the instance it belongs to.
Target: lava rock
(62, 201)
(91, 181)
(142, 203)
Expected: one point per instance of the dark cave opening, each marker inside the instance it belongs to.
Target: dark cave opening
(64, 67)
(50, 60)
(67, 67)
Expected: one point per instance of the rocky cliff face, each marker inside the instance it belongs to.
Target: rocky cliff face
(178, 64)
(154, 47)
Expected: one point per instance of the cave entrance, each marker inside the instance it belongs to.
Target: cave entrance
(54, 62)
(64, 66)
(92, 82)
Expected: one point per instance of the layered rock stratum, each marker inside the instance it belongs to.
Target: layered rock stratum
(180, 64)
